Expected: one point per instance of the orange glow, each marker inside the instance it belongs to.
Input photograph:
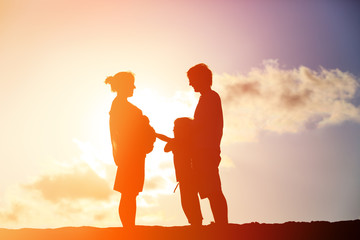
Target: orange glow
(288, 123)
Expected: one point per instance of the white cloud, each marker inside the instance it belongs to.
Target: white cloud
(74, 196)
(285, 100)
(226, 162)
(78, 184)
(12, 214)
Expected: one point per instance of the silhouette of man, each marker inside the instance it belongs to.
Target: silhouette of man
(132, 138)
(208, 130)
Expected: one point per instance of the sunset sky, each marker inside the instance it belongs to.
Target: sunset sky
(288, 73)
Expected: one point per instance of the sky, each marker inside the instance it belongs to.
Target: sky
(288, 73)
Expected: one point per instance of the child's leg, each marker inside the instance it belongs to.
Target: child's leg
(190, 203)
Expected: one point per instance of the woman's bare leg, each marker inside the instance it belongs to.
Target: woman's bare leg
(127, 210)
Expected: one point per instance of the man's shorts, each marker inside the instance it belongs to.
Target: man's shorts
(206, 170)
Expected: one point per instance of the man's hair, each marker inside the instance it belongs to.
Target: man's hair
(200, 72)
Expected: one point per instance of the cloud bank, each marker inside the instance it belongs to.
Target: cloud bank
(76, 195)
(285, 100)
(78, 184)
(79, 192)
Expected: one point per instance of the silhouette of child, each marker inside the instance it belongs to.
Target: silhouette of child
(181, 146)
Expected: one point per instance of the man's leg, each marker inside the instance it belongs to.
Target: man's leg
(219, 207)
(127, 210)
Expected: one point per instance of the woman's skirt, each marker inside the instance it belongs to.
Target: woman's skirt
(130, 175)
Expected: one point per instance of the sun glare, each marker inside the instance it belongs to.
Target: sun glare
(161, 111)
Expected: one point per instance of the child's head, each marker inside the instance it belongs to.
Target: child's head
(183, 127)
